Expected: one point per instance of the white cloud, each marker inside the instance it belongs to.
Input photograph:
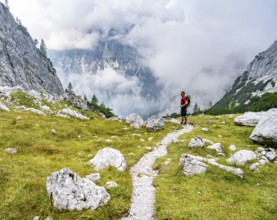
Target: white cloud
(178, 38)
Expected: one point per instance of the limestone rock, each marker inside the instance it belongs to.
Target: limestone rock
(108, 157)
(72, 113)
(111, 184)
(68, 191)
(45, 108)
(58, 114)
(232, 147)
(192, 166)
(21, 63)
(241, 157)
(93, 177)
(36, 111)
(233, 170)
(135, 120)
(270, 154)
(216, 146)
(249, 118)
(11, 150)
(155, 124)
(266, 130)
(4, 107)
(196, 142)
(77, 101)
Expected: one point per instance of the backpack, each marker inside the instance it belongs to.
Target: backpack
(188, 99)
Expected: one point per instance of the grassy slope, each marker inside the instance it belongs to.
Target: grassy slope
(39, 153)
(215, 194)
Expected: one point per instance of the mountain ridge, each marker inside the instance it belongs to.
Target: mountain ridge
(21, 62)
(255, 89)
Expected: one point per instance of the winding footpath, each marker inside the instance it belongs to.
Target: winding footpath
(143, 195)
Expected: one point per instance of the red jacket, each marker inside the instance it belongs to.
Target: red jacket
(183, 100)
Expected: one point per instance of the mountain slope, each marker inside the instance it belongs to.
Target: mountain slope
(250, 90)
(21, 63)
(113, 71)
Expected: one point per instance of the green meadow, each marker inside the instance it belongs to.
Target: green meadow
(40, 152)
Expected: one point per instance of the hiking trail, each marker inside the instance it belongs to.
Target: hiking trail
(143, 195)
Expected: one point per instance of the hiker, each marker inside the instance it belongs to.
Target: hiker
(184, 103)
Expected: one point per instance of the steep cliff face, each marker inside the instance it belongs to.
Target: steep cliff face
(259, 78)
(21, 63)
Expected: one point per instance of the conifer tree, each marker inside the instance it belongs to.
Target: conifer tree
(69, 88)
(94, 100)
(42, 48)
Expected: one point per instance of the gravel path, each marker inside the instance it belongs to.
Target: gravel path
(143, 196)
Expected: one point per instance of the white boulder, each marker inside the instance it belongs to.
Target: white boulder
(217, 147)
(249, 118)
(266, 130)
(11, 150)
(45, 108)
(108, 157)
(135, 120)
(68, 191)
(192, 166)
(154, 124)
(241, 157)
(93, 177)
(4, 107)
(232, 147)
(111, 184)
(196, 142)
(270, 154)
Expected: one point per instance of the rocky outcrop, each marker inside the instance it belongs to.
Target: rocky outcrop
(265, 132)
(68, 191)
(108, 157)
(259, 78)
(154, 124)
(135, 120)
(75, 100)
(241, 157)
(196, 142)
(192, 166)
(249, 118)
(70, 112)
(21, 62)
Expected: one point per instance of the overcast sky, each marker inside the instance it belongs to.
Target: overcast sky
(194, 45)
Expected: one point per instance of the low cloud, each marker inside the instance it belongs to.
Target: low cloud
(192, 45)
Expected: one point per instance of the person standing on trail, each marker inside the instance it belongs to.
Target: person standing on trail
(184, 103)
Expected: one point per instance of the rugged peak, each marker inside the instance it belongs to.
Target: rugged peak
(265, 63)
(255, 89)
(21, 62)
